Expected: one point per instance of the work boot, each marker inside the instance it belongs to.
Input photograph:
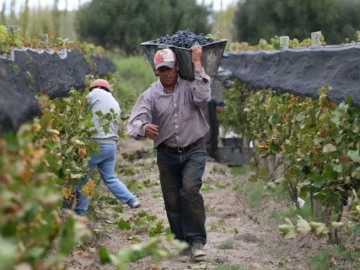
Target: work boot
(197, 252)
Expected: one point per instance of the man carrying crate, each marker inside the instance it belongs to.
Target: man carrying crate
(169, 112)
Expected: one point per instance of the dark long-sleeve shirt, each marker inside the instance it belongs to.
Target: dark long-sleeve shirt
(178, 114)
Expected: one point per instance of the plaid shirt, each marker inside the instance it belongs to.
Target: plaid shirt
(218, 83)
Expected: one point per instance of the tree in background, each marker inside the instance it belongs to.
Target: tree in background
(45, 21)
(348, 18)
(2, 13)
(25, 15)
(64, 19)
(257, 19)
(223, 22)
(56, 17)
(39, 20)
(127, 23)
(12, 10)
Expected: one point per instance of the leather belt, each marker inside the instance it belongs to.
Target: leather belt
(181, 149)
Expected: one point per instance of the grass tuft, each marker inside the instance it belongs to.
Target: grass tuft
(226, 245)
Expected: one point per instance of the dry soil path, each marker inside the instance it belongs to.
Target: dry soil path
(235, 240)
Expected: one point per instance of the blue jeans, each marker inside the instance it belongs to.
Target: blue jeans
(180, 178)
(105, 161)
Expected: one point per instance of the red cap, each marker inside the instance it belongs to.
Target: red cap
(101, 83)
(164, 57)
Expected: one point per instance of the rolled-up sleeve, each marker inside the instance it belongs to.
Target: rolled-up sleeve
(140, 116)
(200, 88)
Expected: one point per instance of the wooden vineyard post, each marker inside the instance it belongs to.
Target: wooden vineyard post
(316, 39)
(45, 38)
(284, 42)
(12, 28)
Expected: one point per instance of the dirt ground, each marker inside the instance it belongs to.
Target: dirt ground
(236, 237)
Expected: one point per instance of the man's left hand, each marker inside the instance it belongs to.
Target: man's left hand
(196, 56)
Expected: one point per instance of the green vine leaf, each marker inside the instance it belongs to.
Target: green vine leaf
(302, 226)
(288, 230)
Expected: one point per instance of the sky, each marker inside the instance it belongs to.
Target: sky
(73, 4)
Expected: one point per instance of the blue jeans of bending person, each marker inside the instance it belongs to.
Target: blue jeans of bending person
(105, 161)
(181, 180)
